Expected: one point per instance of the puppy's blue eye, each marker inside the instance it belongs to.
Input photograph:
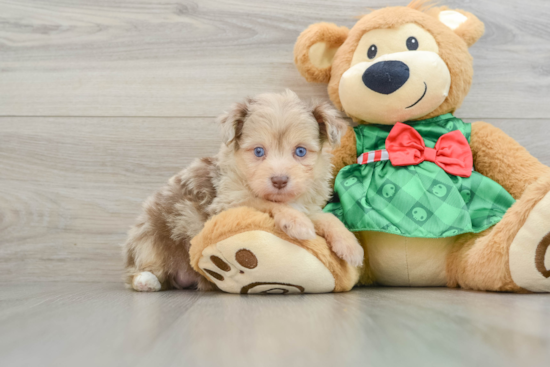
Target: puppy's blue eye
(301, 151)
(259, 152)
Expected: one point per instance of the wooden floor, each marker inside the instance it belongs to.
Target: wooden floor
(101, 101)
(58, 324)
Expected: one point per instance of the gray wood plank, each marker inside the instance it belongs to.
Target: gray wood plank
(71, 187)
(188, 58)
(68, 324)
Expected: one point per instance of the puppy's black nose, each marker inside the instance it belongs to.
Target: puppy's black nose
(279, 182)
(385, 77)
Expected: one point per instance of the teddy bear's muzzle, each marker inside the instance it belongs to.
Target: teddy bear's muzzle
(395, 87)
(386, 77)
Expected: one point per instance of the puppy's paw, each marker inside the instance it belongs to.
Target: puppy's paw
(296, 225)
(346, 247)
(146, 282)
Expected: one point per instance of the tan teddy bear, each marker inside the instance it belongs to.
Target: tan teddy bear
(407, 189)
(433, 200)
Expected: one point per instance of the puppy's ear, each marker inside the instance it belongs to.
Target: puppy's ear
(331, 126)
(315, 49)
(231, 122)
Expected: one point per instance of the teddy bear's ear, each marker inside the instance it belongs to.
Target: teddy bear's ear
(315, 49)
(466, 25)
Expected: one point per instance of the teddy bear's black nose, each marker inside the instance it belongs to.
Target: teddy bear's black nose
(385, 77)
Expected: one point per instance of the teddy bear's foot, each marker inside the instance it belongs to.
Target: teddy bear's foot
(530, 250)
(260, 262)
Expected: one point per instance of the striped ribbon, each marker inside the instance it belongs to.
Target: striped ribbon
(373, 156)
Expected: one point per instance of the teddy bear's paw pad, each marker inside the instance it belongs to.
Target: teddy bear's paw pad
(146, 282)
(530, 250)
(260, 262)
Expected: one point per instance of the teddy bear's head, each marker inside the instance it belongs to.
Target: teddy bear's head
(395, 64)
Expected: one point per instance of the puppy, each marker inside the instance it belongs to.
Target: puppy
(275, 157)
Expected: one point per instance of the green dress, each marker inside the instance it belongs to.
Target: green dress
(415, 201)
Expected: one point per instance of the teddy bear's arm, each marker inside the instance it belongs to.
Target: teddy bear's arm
(502, 159)
(346, 153)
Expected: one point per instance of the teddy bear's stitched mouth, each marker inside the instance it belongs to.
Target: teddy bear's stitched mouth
(425, 91)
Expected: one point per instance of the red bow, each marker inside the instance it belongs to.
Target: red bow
(452, 152)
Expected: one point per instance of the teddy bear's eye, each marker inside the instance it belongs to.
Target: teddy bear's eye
(412, 44)
(373, 50)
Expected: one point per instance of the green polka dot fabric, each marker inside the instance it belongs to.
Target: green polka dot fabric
(415, 201)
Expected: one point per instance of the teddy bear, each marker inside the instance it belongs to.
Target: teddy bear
(433, 201)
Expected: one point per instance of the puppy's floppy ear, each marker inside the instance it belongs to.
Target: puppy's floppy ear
(231, 122)
(466, 25)
(315, 49)
(331, 126)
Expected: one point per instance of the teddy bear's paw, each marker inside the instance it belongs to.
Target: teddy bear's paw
(347, 248)
(260, 262)
(146, 282)
(296, 224)
(530, 250)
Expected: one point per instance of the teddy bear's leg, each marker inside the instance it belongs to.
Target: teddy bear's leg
(512, 256)
(243, 251)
